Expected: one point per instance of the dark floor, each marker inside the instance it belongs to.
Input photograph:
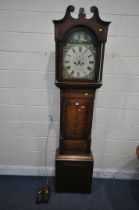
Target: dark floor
(19, 193)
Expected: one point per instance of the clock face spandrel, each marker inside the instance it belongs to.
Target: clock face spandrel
(79, 57)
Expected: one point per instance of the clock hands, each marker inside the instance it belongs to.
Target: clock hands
(79, 63)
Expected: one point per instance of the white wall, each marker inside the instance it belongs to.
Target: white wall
(28, 94)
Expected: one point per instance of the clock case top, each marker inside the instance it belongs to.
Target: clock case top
(95, 26)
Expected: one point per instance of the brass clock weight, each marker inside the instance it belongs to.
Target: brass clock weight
(80, 44)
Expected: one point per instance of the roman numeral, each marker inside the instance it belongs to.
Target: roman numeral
(86, 50)
(66, 61)
(80, 48)
(73, 50)
(89, 55)
(89, 68)
(78, 74)
(67, 67)
(91, 62)
(72, 72)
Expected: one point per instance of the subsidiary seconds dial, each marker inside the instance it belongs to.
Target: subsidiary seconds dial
(79, 61)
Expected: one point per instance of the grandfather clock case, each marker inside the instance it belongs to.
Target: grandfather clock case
(80, 44)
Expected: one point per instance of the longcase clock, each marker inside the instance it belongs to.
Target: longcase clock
(80, 44)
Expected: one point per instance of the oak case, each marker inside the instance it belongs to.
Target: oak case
(80, 45)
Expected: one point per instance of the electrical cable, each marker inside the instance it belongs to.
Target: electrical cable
(46, 143)
(43, 193)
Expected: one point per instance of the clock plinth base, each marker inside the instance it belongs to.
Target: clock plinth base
(74, 173)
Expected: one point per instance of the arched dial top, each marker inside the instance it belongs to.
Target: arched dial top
(80, 45)
(79, 55)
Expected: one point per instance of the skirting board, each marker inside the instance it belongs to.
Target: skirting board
(26, 170)
(41, 171)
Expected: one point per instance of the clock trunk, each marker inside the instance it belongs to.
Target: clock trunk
(76, 121)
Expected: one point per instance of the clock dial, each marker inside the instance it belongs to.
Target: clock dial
(79, 61)
(79, 57)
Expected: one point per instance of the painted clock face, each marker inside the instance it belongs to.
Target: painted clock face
(79, 57)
